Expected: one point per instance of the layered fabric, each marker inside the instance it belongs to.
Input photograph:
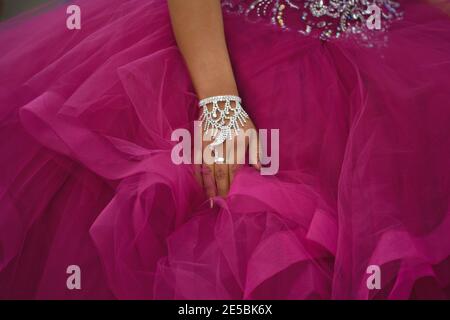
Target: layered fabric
(86, 178)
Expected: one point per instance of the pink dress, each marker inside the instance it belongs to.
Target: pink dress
(86, 176)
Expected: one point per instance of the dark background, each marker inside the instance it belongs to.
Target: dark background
(10, 8)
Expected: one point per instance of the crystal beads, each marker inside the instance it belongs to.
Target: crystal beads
(327, 19)
(222, 121)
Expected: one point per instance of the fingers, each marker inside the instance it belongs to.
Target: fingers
(217, 177)
(208, 177)
(221, 174)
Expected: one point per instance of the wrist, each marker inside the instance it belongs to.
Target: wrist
(217, 91)
(217, 83)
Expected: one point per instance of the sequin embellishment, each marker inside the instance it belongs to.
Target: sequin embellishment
(328, 19)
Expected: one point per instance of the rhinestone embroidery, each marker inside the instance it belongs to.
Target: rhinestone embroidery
(328, 19)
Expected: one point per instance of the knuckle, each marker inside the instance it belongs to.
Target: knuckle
(210, 192)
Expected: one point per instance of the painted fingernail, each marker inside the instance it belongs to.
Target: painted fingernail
(211, 203)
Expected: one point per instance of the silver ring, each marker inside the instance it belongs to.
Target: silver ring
(219, 160)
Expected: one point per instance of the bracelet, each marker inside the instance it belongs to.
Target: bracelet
(223, 121)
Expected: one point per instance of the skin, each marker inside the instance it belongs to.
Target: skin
(199, 32)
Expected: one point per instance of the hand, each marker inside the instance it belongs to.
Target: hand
(216, 178)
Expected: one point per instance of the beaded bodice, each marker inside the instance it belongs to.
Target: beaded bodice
(326, 19)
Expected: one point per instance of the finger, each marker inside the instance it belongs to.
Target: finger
(198, 174)
(222, 180)
(198, 166)
(254, 149)
(209, 181)
(260, 150)
(233, 170)
(238, 159)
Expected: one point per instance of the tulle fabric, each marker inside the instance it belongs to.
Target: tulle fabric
(85, 123)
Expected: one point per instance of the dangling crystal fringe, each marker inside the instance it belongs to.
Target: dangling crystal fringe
(222, 122)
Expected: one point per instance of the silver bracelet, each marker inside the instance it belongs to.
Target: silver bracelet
(222, 121)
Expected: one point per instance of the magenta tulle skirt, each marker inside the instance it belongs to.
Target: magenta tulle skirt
(86, 176)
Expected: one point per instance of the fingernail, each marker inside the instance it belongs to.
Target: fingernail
(211, 203)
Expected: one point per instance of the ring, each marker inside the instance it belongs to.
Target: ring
(219, 160)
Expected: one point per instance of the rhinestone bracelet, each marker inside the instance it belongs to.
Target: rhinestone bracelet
(222, 121)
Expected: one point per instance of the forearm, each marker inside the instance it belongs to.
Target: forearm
(199, 31)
